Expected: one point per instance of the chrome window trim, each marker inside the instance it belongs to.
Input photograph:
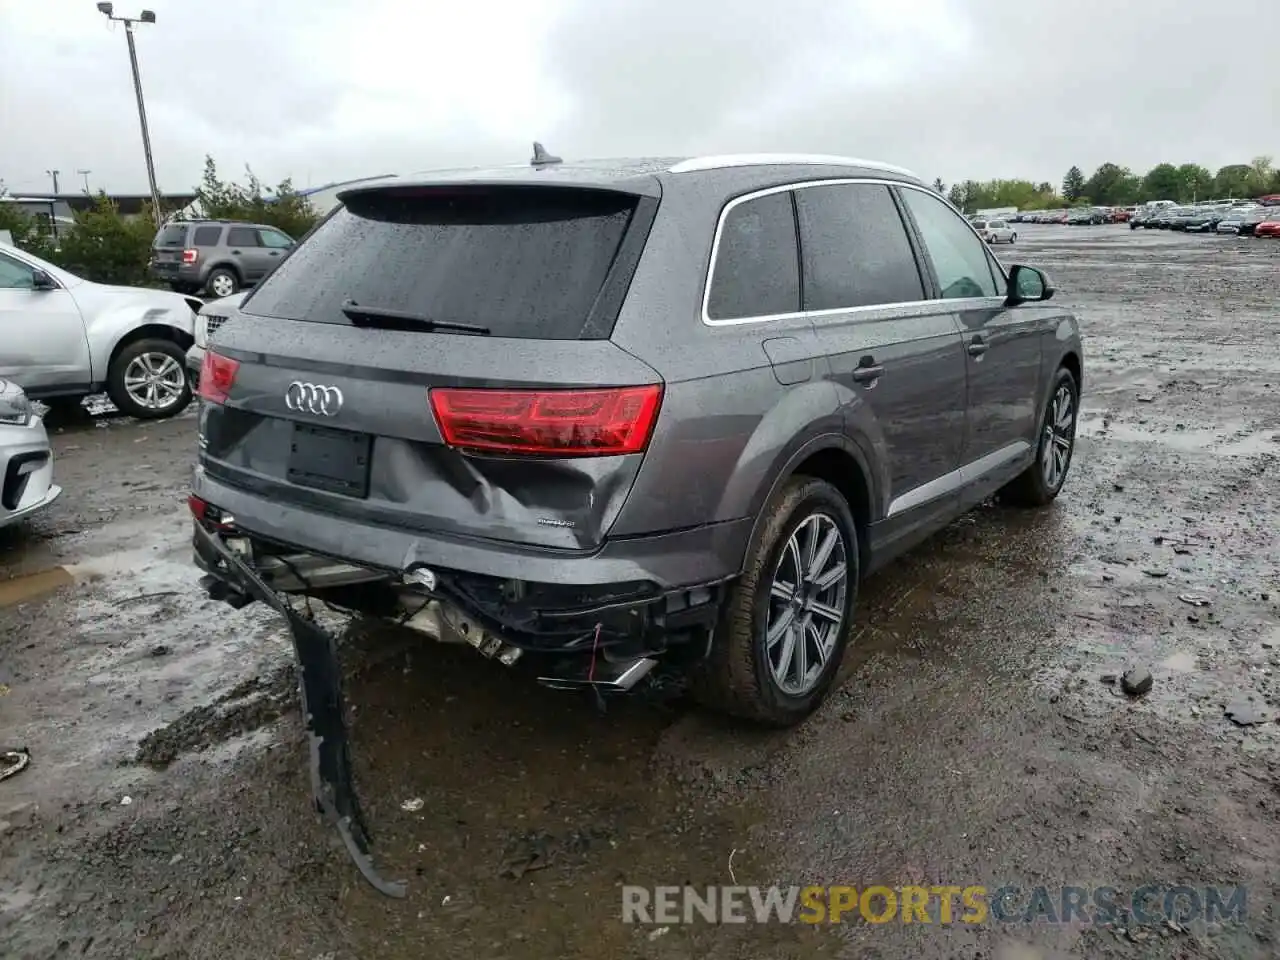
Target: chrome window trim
(812, 314)
(720, 161)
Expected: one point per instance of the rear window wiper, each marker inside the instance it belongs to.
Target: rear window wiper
(380, 318)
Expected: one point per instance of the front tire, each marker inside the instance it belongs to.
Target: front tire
(149, 380)
(785, 625)
(1040, 483)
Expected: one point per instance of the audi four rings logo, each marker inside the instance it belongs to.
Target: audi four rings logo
(313, 398)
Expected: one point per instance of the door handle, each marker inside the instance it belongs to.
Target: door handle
(235, 253)
(274, 253)
(977, 348)
(867, 370)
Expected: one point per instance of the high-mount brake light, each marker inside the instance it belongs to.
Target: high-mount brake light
(217, 374)
(556, 423)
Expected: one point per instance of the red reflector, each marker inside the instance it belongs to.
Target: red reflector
(198, 507)
(217, 374)
(190, 256)
(560, 423)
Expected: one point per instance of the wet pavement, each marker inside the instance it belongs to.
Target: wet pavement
(981, 736)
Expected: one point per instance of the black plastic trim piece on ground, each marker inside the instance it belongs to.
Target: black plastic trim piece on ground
(320, 685)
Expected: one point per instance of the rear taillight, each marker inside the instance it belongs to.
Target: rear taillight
(190, 256)
(556, 423)
(217, 374)
(207, 514)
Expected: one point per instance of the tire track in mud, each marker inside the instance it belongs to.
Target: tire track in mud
(246, 707)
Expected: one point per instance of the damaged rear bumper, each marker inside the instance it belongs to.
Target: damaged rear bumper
(605, 638)
(320, 684)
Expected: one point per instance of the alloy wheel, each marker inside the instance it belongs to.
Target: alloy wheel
(1059, 436)
(222, 285)
(155, 380)
(807, 600)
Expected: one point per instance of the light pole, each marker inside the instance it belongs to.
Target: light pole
(146, 16)
(85, 174)
(54, 175)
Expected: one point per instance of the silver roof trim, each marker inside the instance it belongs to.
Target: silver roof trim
(763, 159)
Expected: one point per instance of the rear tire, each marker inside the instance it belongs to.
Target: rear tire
(150, 363)
(1041, 482)
(807, 538)
(222, 282)
(1013, 238)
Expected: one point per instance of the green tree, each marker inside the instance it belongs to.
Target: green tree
(1196, 182)
(1233, 180)
(1262, 177)
(939, 186)
(106, 247)
(1072, 184)
(280, 206)
(1162, 182)
(1112, 185)
(26, 230)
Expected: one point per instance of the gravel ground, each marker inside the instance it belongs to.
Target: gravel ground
(976, 739)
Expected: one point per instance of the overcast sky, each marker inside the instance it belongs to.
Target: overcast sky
(323, 90)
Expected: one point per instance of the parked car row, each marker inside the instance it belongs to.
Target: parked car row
(1243, 219)
(1076, 216)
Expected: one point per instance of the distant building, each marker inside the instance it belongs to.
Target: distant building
(55, 212)
(323, 199)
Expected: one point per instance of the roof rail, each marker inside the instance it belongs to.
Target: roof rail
(763, 159)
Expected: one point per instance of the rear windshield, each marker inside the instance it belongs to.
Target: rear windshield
(174, 235)
(521, 261)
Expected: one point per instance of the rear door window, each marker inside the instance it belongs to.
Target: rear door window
(174, 235)
(960, 259)
(757, 267)
(520, 261)
(855, 248)
(206, 236)
(242, 237)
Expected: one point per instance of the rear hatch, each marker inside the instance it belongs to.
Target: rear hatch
(437, 359)
(169, 244)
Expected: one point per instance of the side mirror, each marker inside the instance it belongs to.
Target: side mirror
(40, 280)
(1027, 285)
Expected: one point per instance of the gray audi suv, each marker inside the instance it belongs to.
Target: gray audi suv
(599, 418)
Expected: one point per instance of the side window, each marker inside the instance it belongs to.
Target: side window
(14, 275)
(206, 236)
(757, 269)
(242, 237)
(274, 239)
(854, 248)
(959, 258)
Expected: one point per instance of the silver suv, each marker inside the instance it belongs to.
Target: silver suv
(216, 256)
(597, 419)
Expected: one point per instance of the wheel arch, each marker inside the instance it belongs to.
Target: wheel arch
(150, 331)
(228, 265)
(837, 460)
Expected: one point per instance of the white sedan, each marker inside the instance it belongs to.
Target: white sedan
(999, 231)
(26, 461)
